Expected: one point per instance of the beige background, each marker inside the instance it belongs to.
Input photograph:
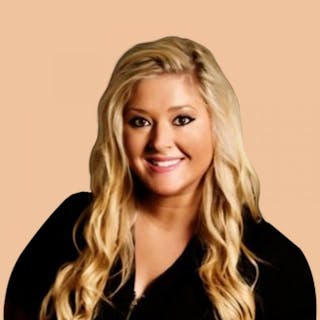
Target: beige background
(56, 60)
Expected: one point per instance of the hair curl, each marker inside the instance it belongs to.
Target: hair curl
(230, 183)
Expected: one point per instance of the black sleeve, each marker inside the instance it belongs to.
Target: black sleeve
(301, 289)
(36, 267)
(285, 289)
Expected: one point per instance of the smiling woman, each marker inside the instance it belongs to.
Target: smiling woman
(171, 228)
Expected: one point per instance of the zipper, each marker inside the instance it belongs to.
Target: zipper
(133, 304)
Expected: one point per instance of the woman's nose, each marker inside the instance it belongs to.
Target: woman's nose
(161, 137)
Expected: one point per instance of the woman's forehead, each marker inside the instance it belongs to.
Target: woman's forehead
(170, 91)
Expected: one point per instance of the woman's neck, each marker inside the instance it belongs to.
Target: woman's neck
(176, 212)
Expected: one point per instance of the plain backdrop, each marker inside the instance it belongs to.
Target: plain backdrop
(56, 60)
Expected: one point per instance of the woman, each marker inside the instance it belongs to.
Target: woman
(172, 227)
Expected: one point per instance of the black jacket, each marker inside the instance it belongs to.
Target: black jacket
(285, 289)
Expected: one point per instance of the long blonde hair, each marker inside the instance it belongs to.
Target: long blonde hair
(230, 183)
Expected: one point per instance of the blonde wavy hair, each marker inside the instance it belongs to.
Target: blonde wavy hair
(229, 185)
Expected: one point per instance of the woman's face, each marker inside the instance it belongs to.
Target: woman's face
(167, 134)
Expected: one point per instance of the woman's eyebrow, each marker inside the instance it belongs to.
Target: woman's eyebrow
(172, 108)
(182, 107)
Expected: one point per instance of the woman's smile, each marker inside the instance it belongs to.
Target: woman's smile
(164, 166)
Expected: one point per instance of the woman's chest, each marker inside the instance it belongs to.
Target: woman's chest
(166, 298)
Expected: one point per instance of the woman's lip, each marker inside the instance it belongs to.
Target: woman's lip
(157, 158)
(157, 169)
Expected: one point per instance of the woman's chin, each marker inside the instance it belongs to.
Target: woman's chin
(164, 193)
(165, 190)
(160, 187)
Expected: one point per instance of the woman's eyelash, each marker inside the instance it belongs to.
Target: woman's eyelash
(185, 117)
(134, 122)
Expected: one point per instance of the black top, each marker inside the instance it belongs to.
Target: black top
(285, 289)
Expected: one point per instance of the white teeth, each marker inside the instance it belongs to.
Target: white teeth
(165, 163)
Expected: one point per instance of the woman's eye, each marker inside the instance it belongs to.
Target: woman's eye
(183, 120)
(138, 122)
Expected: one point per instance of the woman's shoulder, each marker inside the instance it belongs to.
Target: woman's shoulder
(49, 248)
(54, 237)
(285, 286)
(62, 220)
(279, 254)
(270, 243)
(71, 207)
(56, 232)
